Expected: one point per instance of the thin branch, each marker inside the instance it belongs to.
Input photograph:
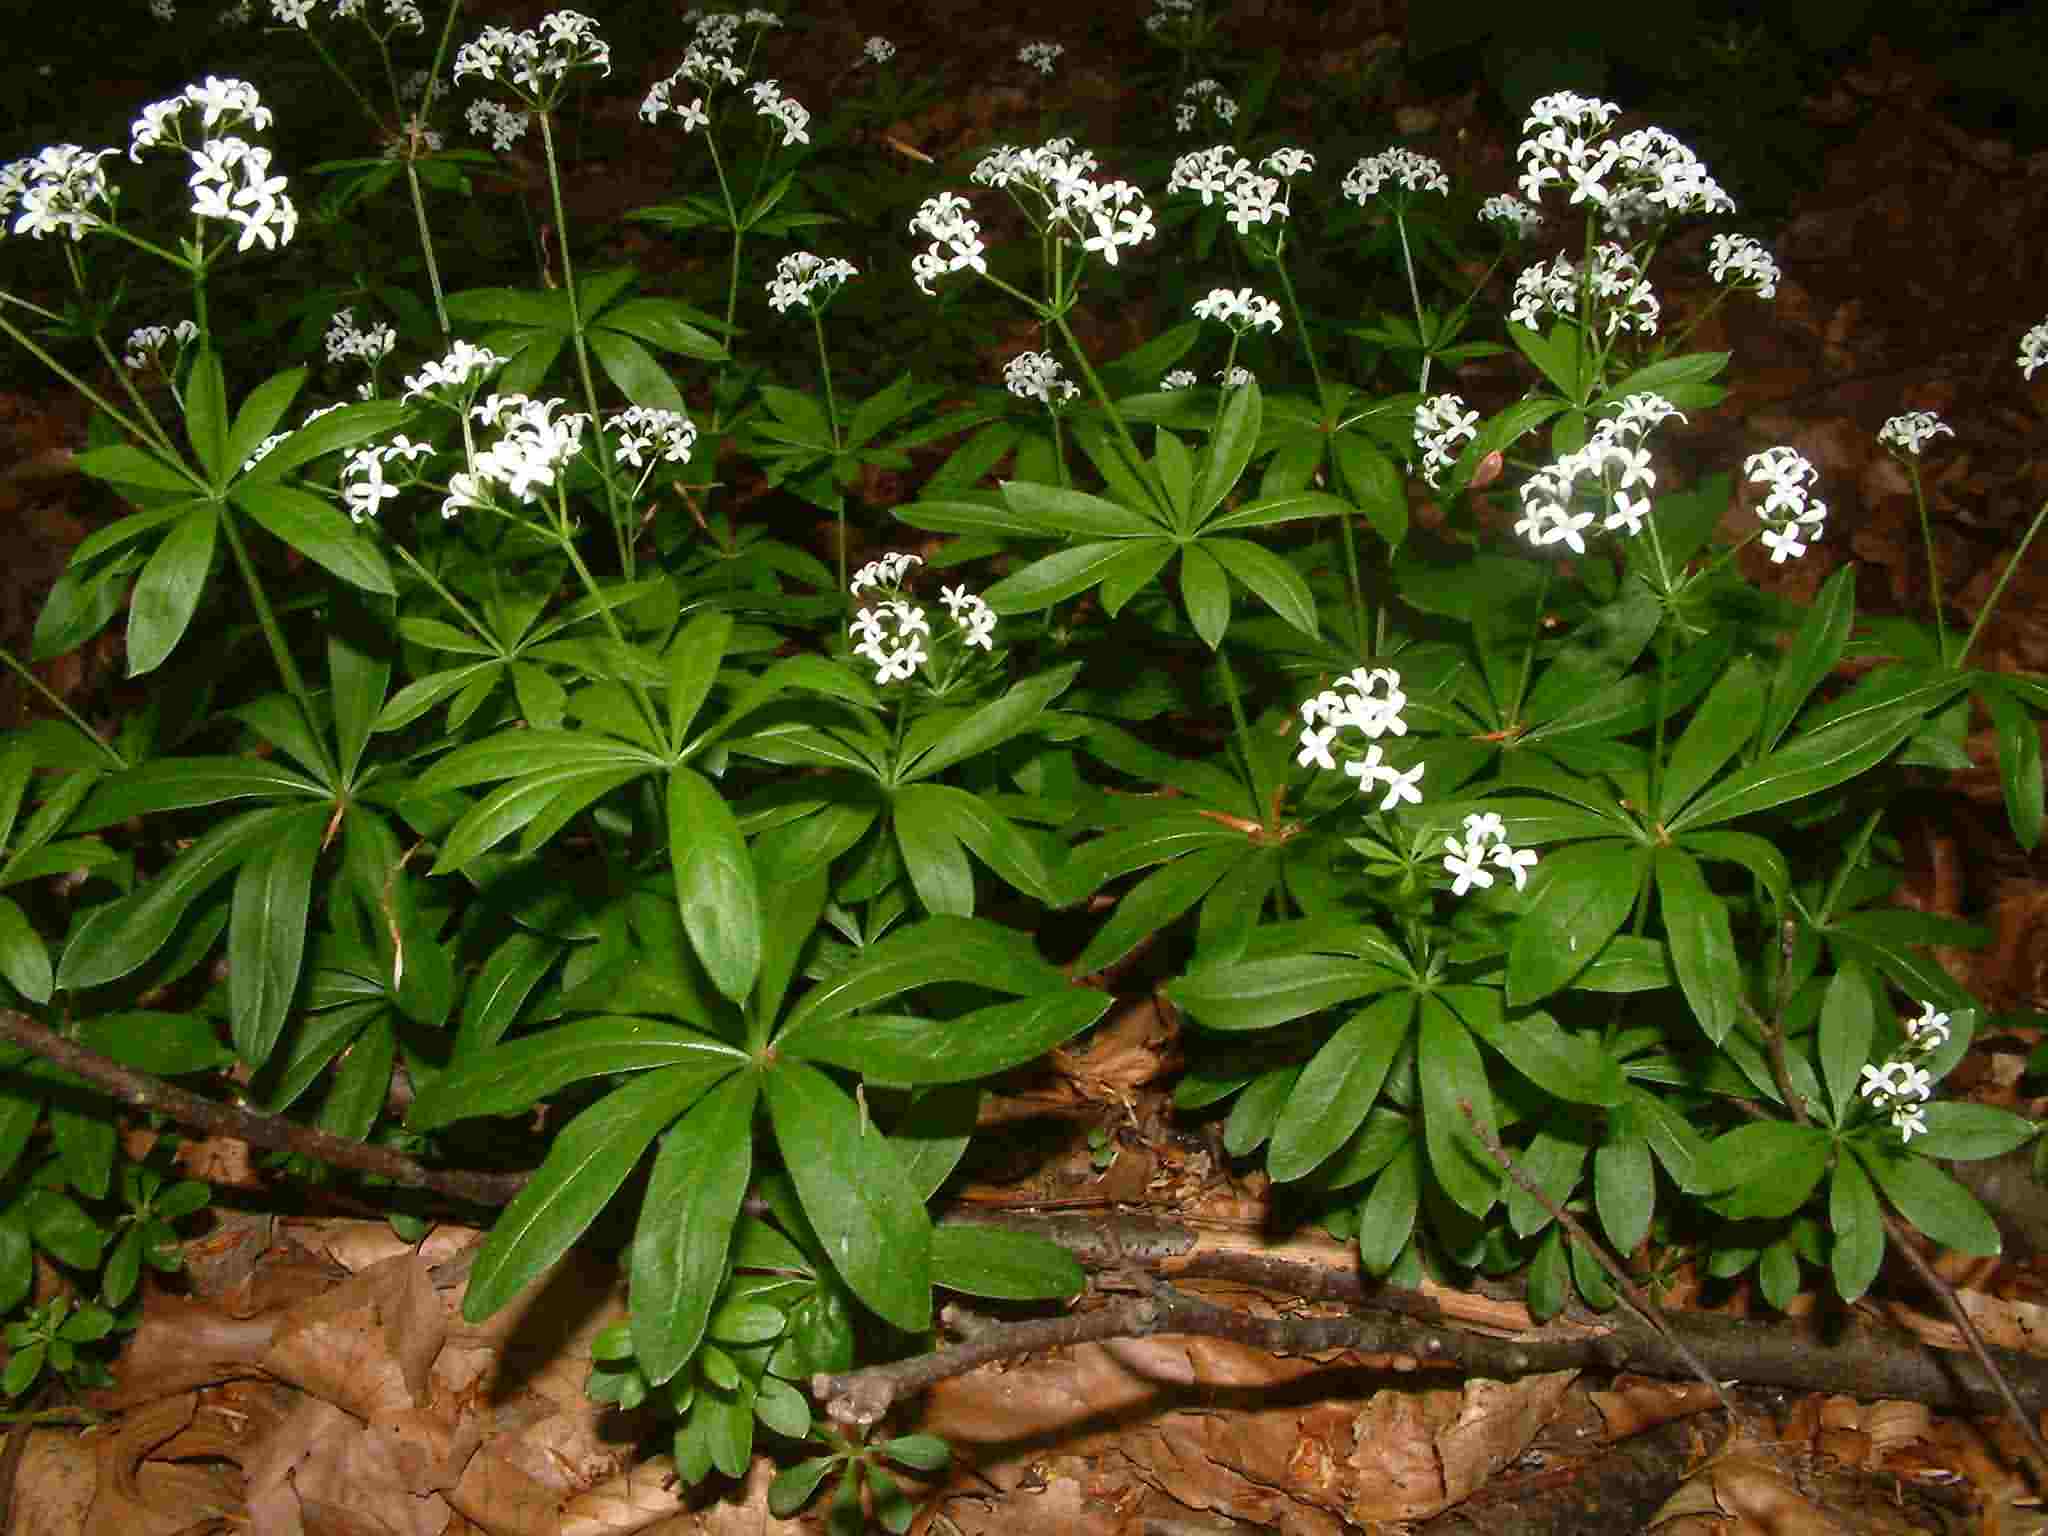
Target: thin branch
(1637, 1298)
(145, 1092)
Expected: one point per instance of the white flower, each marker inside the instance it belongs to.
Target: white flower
(1179, 378)
(644, 428)
(366, 488)
(1403, 167)
(888, 571)
(464, 366)
(1485, 842)
(1745, 263)
(1441, 423)
(1912, 432)
(1930, 1031)
(2033, 349)
(1038, 376)
(1467, 863)
(1517, 861)
(1315, 748)
(1040, 56)
(878, 50)
(802, 275)
(1879, 1082)
(1794, 518)
(1513, 215)
(534, 64)
(896, 655)
(1910, 1120)
(505, 126)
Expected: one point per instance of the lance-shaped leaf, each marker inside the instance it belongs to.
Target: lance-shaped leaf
(854, 1191)
(267, 932)
(940, 949)
(317, 531)
(1338, 1087)
(991, 725)
(589, 1160)
(506, 1079)
(693, 660)
(1005, 1266)
(1586, 893)
(686, 1223)
(1806, 766)
(716, 888)
(899, 1048)
(1701, 942)
(167, 592)
(1812, 654)
(1050, 510)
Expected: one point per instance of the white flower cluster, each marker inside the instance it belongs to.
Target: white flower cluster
(460, 371)
(54, 191)
(531, 449)
(1641, 177)
(344, 340)
(1901, 1087)
(165, 11)
(1039, 376)
(1794, 517)
(1441, 423)
(1615, 462)
(956, 239)
(1356, 703)
(232, 180)
(643, 429)
(1404, 167)
(1040, 56)
(1750, 264)
(146, 344)
(891, 633)
(786, 110)
(397, 13)
(1169, 15)
(364, 488)
(877, 50)
(1203, 93)
(1512, 215)
(805, 278)
(701, 65)
(2033, 350)
(887, 571)
(1107, 215)
(1249, 198)
(505, 126)
(1234, 377)
(1617, 282)
(1242, 311)
(1910, 433)
(1485, 842)
(535, 63)
(1179, 378)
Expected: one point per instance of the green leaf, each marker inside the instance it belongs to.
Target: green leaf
(1176, 471)
(715, 883)
(1719, 729)
(1941, 1208)
(1338, 1088)
(118, 937)
(939, 949)
(2019, 762)
(664, 323)
(84, 1140)
(1205, 591)
(1452, 1075)
(1848, 1020)
(165, 1044)
(262, 409)
(1567, 1066)
(932, 855)
(1809, 765)
(267, 932)
(1763, 1171)
(1966, 1132)
(511, 754)
(1157, 901)
(1004, 1266)
(1049, 510)
(1275, 582)
(993, 724)
(206, 411)
(1229, 450)
(1258, 994)
(1586, 894)
(588, 1161)
(123, 464)
(853, 1188)
(178, 783)
(24, 958)
(1812, 654)
(1057, 577)
(1624, 1191)
(900, 1048)
(317, 531)
(510, 1079)
(1701, 942)
(686, 1224)
(1857, 1225)
(637, 372)
(794, 1486)
(1386, 1217)
(693, 661)
(167, 592)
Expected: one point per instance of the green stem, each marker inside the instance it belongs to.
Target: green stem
(1998, 591)
(419, 213)
(28, 676)
(1300, 326)
(832, 421)
(1138, 465)
(1414, 293)
(114, 413)
(604, 455)
(1933, 566)
(280, 653)
(604, 610)
(1262, 799)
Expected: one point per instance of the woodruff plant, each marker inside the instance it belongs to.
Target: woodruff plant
(1546, 831)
